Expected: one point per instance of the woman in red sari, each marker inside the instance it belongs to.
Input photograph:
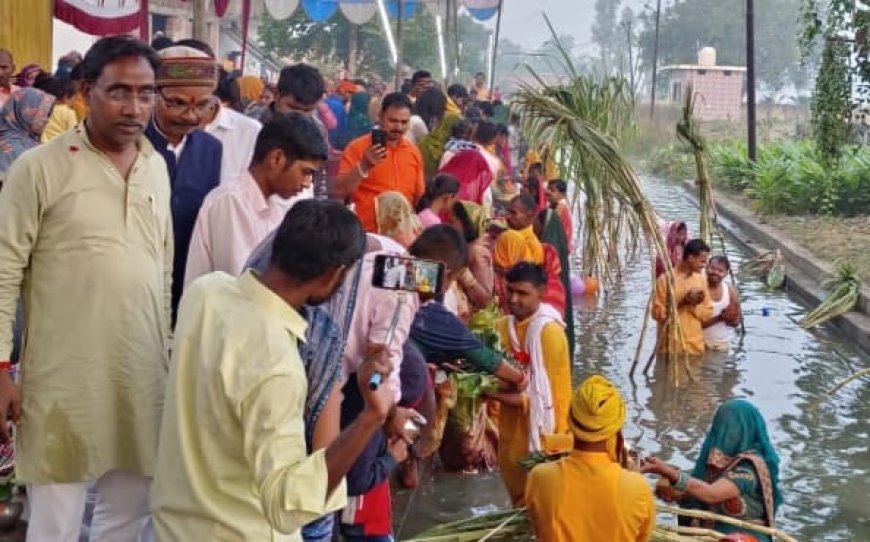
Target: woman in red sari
(473, 173)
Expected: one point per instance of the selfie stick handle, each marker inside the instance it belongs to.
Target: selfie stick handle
(375, 379)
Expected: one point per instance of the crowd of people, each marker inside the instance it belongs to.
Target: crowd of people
(187, 260)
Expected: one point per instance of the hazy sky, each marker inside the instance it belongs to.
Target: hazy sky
(522, 21)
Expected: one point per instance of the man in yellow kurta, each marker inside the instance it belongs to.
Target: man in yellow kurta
(519, 244)
(694, 306)
(533, 420)
(588, 495)
(232, 463)
(86, 240)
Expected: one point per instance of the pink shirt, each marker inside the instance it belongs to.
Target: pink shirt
(373, 315)
(428, 218)
(233, 220)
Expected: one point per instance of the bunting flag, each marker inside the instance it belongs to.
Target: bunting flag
(409, 8)
(104, 17)
(482, 10)
(220, 7)
(482, 14)
(358, 12)
(320, 11)
(281, 9)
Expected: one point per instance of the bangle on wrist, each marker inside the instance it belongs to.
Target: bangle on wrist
(363, 171)
(682, 483)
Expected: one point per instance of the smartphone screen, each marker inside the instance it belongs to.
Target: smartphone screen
(407, 274)
(379, 137)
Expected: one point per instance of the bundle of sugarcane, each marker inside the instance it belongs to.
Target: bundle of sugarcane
(845, 288)
(689, 133)
(513, 525)
(569, 117)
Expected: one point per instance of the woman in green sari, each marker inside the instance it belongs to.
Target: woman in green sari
(736, 475)
(358, 121)
(432, 145)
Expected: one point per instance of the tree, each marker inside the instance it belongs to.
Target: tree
(835, 94)
(606, 33)
(327, 45)
(691, 24)
(629, 61)
(831, 100)
(475, 45)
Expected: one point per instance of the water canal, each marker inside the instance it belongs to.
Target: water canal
(782, 368)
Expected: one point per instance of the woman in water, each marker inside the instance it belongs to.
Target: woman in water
(736, 475)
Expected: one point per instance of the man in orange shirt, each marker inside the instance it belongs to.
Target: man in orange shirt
(367, 169)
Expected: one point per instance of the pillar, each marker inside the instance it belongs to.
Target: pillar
(34, 44)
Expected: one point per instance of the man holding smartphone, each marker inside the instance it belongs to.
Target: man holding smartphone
(381, 161)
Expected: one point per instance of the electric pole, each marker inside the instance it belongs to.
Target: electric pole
(655, 62)
(750, 81)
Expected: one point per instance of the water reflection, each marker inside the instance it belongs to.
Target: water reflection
(783, 369)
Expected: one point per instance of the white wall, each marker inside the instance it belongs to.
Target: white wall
(66, 38)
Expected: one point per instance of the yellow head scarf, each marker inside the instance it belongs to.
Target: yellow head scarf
(510, 249)
(250, 87)
(533, 245)
(597, 413)
(394, 214)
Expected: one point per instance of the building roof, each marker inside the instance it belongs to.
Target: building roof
(697, 67)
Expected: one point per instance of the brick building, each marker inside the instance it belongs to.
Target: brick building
(718, 89)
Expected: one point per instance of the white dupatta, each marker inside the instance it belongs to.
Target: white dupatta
(542, 420)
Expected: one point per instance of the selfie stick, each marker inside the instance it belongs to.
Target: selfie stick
(375, 379)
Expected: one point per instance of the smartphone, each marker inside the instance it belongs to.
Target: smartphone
(379, 137)
(407, 274)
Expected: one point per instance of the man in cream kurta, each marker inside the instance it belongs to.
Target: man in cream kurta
(87, 245)
(93, 254)
(255, 383)
(232, 463)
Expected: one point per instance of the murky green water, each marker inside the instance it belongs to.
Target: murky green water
(780, 367)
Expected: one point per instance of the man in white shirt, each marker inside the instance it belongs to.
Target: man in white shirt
(237, 216)
(395, 276)
(238, 133)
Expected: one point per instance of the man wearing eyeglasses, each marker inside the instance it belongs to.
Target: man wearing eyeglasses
(86, 243)
(186, 80)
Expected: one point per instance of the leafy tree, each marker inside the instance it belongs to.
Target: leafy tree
(327, 45)
(830, 106)
(606, 33)
(475, 44)
(688, 25)
(835, 95)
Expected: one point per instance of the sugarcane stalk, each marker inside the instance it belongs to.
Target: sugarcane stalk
(703, 514)
(643, 328)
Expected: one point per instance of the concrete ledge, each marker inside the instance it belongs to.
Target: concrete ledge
(804, 271)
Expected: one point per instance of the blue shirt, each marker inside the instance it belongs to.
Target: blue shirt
(191, 176)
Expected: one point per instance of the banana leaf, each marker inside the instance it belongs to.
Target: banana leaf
(775, 279)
